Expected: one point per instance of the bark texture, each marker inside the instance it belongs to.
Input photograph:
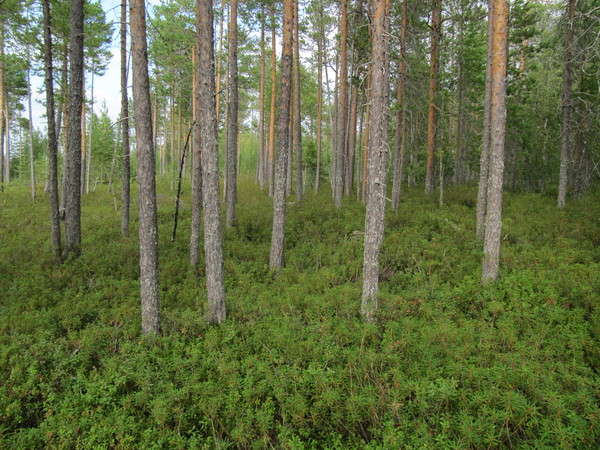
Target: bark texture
(297, 107)
(342, 118)
(213, 237)
(232, 120)
(271, 164)
(493, 219)
(436, 16)
(73, 154)
(377, 159)
(276, 259)
(52, 139)
(563, 179)
(125, 183)
(148, 227)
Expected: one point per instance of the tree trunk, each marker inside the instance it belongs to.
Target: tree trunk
(276, 260)
(219, 53)
(2, 113)
(73, 160)
(125, 189)
(88, 169)
(261, 170)
(232, 121)
(377, 161)
(493, 219)
(484, 161)
(52, 138)
(436, 15)
(148, 230)
(563, 179)
(400, 132)
(271, 167)
(213, 237)
(340, 159)
(319, 97)
(297, 107)
(31, 161)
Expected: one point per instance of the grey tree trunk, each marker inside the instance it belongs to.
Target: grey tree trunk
(563, 179)
(196, 167)
(148, 229)
(213, 238)
(73, 159)
(484, 160)
(340, 159)
(297, 107)
(125, 183)
(262, 156)
(493, 219)
(319, 97)
(276, 260)
(52, 139)
(377, 160)
(436, 16)
(232, 120)
(31, 161)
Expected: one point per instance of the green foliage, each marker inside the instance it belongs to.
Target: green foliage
(449, 364)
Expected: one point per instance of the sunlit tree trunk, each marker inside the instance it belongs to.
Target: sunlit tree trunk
(377, 160)
(563, 179)
(340, 159)
(125, 183)
(493, 219)
(276, 259)
(148, 226)
(73, 159)
(232, 122)
(52, 138)
(436, 16)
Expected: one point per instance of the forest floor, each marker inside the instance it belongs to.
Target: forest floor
(449, 363)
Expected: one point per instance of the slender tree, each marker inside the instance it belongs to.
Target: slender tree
(52, 139)
(377, 159)
(232, 121)
(436, 16)
(213, 237)
(493, 219)
(148, 228)
(262, 157)
(340, 159)
(125, 189)
(297, 106)
(73, 155)
(319, 94)
(563, 179)
(276, 260)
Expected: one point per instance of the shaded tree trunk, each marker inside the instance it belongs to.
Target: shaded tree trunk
(52, 138)
(31, 155)
(342, 115)
(232, 121)
(261, 170)
(271, 166)
(436, 16)
(563, 179)
(276, 260)
(493, 219)
(73, 156)
(125, 183)
(297, 107)
(213, 237)
(319, 97)
(377, 159)
(148, 226)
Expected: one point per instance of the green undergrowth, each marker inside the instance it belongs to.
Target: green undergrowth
(448, 365)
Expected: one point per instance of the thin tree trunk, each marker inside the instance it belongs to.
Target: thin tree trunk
(493, 219)
(31, 160)
(342, 108)
(377, 161)
(52, 138)
(219, 53)
(83, 137)
(73, 160)
(90, 139)
(352, 121)
(484, 161)
(319, 97)
(273, 98)
(366, 144)
(563, 179)
(232, 121)
(213, 238)
(148, 230)
(262, 178)
(125, 183)
(276, 260)
(297, 106)
(433, 77)
(2, 112)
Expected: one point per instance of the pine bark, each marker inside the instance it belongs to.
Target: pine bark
(271, 164)
(436, 16)
(493, 219)
(297, 107)
(148, 226)
(377, 160)
(340, 157)
(52, 138)
(73, 159)
(319, 97)
(232, 121)
(484, 160)
(125, 182)
(213, 237)
(276, 260)
(563, 179)
(262, 157)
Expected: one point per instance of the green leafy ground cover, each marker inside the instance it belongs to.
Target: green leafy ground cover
(450, 365)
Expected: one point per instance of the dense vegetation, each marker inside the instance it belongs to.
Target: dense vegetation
(449, 364)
